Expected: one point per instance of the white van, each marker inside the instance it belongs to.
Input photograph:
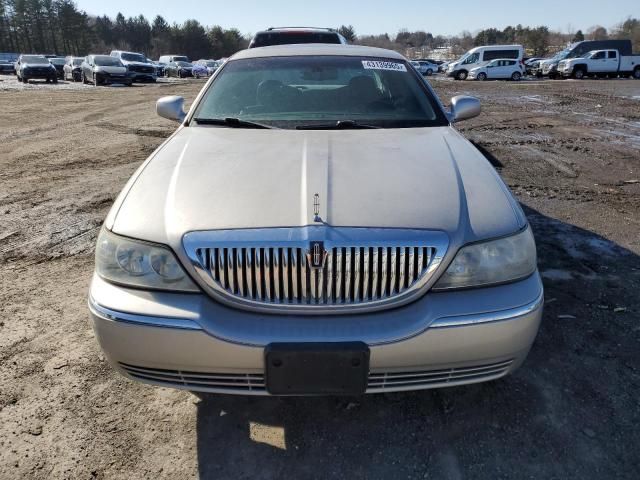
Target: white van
(476, 57)
(167, 59)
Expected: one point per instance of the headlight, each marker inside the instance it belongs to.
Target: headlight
(139, 264)
(497, 261)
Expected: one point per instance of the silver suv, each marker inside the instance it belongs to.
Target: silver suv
(138, 65)
(316, 225)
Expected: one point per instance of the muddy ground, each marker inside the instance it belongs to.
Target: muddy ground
(570, 150)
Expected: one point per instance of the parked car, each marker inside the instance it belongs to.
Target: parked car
(158, 66)
(215, 273)
(295, 35)
(430, 60)
(167, 59)
(210, 65)
(72, 69)
(58, 63)
(443, 67)
(199, 71)
(7, 62)
(31, 67)
(179, 69)
(424, 67)
(500, 69)
(476, 57)
(138, 65)
(579, 49)
(601, 63)
(105, 70)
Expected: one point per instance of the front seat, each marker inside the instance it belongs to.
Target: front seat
(269, 93)
(363, 91)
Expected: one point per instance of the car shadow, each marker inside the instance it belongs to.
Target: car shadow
(569, 411)
(488, 155)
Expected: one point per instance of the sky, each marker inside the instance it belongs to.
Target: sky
(378, 16)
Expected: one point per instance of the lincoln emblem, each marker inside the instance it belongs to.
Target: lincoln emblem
(317, 255)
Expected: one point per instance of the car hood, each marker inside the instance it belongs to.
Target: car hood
(140, 64)
(40, 65)
(210, 178)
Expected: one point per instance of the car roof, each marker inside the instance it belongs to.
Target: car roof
(311, 49)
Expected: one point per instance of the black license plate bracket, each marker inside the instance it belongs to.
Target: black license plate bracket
(340, 368)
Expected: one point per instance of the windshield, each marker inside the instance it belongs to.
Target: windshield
(57, 61)
(77, 61)
(133, 57)
(184, 64)
(561, 55)
(34, 59)
(107, 61)
(211, 64)
(180, 59)
(287, 92)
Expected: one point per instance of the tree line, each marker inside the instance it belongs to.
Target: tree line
(59, 27)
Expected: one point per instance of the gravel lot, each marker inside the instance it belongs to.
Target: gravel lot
(570, 150)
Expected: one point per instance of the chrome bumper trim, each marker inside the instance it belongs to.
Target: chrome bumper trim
(488, 317)
(145, 320)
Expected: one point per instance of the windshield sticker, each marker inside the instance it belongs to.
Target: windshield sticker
(378, 65)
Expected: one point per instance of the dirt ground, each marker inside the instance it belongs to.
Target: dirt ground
(570, 150)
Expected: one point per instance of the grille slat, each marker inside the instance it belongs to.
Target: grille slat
(377, 381)
(283, 275)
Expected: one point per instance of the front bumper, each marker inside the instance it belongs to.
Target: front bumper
(143, 77)
(39, 74)
(189, 341)
(108, 79)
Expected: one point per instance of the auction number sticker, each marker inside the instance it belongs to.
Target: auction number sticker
(379, 65)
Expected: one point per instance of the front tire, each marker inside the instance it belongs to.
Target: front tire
(578, 74)
(516, 76)
(636, 73)
(462, 75)
(95, 80)
(429, 72)
(55, 80)
(482, 77)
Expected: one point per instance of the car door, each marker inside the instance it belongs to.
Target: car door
(493, 69)
(511, 66)
(598, 62)
(612, 61)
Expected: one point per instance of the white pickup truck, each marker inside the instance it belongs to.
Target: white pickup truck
(601, 63)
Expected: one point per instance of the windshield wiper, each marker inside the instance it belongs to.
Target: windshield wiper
(339, 125)
(230, 122)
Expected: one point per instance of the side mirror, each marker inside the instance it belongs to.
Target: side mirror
(171, 108)
(464, 107)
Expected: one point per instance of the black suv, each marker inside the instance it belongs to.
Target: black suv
(292, 35)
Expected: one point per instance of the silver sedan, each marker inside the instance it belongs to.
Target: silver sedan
(316, 225)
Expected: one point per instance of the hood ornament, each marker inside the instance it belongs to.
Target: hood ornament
(316, 209)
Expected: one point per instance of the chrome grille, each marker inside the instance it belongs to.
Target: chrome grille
(315, 269)
(246, 382)
(379, 381)
(283, 275)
